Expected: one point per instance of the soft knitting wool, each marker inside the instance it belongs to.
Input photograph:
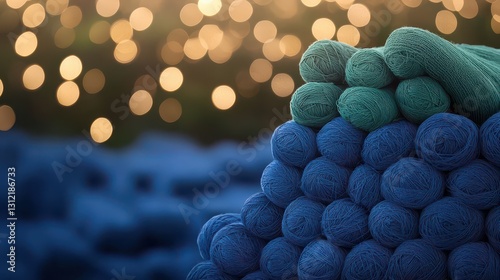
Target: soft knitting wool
(210, 228)
(261, 217)
(293, 144)
(367, 68)
(302, 221)
(321, 260)
(364, 186)
(493, 228)
(474, 261)
(490, 137)
(280, 258)
(257, 275)
(207, 271)
(367, 260)
(281, 183)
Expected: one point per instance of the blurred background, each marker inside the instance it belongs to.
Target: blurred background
(131, 123)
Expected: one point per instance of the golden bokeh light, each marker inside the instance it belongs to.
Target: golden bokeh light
(56, 7)
(453, 5)
(239, 29)
(412, 3)
(190, 15)
(223, 52)
(285, 9)
(34, 15)
(141, 18)
(495, 26)
(240, 10)
(100, 32)
(68, 93)
(71, 67)
(1, 87)
(140, 102)
(170, 110)
(125, 51)
(272, 51)
(178, 35)
(209, 7)
(194, 49)
(261, 70)
(71, 17)
(310, 3)
(101, 130)
(323, 29)
(290, 45)
(495, 10)
(446, 22)
(107, 8)
(171, 79)
(223, 97)
(64, 37)
(7, 117)
(348, 34)
(282, 85)
(469, 10)
(16, 4)
(265, 31)
(210, 36)
(33, 77)
(359, 15)
(345, 4)
(172, 53)
(26, 44)
(262, 2)
(94, 81)
(121, 30)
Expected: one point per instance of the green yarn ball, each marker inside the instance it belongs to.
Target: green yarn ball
(314, 104)
(420, 98)
(368, 108)
(367, 68)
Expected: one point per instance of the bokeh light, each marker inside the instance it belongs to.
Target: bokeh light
(121, 30)
(101, 130)
(100, 32)
(261, 70)
(26, 44)
(7, 118)
(290, 45)
(194, 49)
(34, 15)
(446, 22)
(94, 81)
(272, 50)
(310, 3)
(140, 102)
(71, 17)
(348, 34)
(68, 93)
(170, 110)
(16, 4)
(323, 28)
(265, 31)
(107, 8)
(469, 10)
(359, 15)
(282, 85)
(125, 51)
(172, 53)
(71, 67)
(209, 7)
(345, 4)
(56, 7)
(210, 36)
(64, 37)
(1, 87)
(412, 3)
(223, 97)
(190, 15)
(171, 79)
(33, 77)
(141, 18)
(240, 10)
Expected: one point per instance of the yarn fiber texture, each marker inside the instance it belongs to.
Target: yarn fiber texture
(281, 183)
(364, 186)
(321, 260)
(206, 270)
(293, 144)
(492, 226)
(257, 275)
(367, 260)
(302, 221)
(280, 258)
(210, 228)
(261, 217)
(490, 137)
(367, 68)
(474, 261)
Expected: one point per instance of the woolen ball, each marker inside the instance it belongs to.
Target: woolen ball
(281, 183)
(474, 261)
(449, 223)
(302, 221)
(293, 144)
(447, 141)
(412, 183)
(324, 180)
(490, 137)
(345, 223)
(364, 186)
(388, 144)
(367, 260)
(493, 228)
(256, 275)
(235, 250)
(341, 142)
(321, 260)
(391, 224)
(207, 271)
(477, 184)
(262, 217)
(280, 258)
(417, 260)
(210, 228)
(367, 68)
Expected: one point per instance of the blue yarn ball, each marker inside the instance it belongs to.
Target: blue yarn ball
(321, 260)
(367, 260)
(324, 180)
(417, 260)
(364, 186)
(412, 183)
(210, 228)
(388, 144)
(341, 142)
(345, 223)
(391, 224)
(302, 221)
(280, 258)
(257, 275)
(281, 183)
(207, 271)
(474, 261)
(235, 250)
(490, 137)
(449, 223)
(261, 217)
(293, 144)
(477, 184)
(493, 228)
(447, 141)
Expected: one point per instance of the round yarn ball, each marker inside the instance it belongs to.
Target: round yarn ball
(421, 97)
(477, 184)
(235, 250)
(367, 108)
(256, 275)
(321, 260)
(324, 61)
(293, 144)
(345, 223)
(341, 142)
(281, 183)
(280, 258)
(474, 261)
(388, 144)
(490, 137)
(367, 68)
(364, 186)
(210, 228)
(207, 271)
(493, 228)
(449, 223)
(262, 217)
(416, 260)
(302, 221)
(447, 141)
(315, 104)
(412, 183)
(324, 180)
(367, 260)
(391, 224)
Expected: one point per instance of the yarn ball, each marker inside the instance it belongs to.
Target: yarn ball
(477, 184)
(341, 142)
(281, 183)
(474, 261)
(324, 61)
(279, 259)
(293, 144)
(388, 144)
(367, 108)
(315, 104)
(412, 183)
(235, 250)
(321, 260)
(257, 275)
(367, 260)
(417, 260)
(210, 228)
(391, 224)
(262, 217)
(367, 68)
(324, 180)
(490, 137)
(449, 223)
(207, 271)
(493, 228)
(420, 98)
(345, 223)
(447, 141)
(302, 221)
(364, 186)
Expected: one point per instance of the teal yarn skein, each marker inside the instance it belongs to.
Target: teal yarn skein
(367, 68)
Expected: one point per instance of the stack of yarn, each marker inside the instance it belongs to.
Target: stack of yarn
(390, 169)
